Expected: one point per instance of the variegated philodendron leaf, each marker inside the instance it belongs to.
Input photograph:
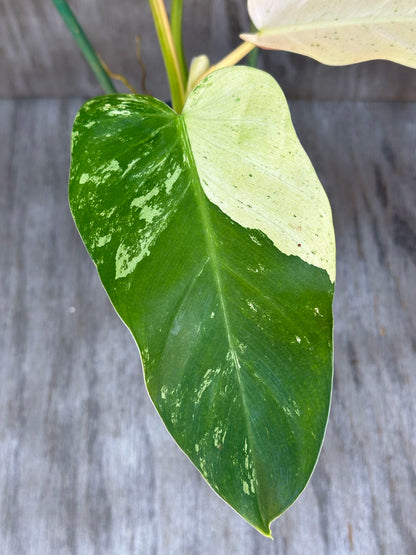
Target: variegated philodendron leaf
(337, 32)
(213, 238)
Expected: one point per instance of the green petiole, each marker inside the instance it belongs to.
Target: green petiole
(253, 57)
(176, 24)
(170, 57)
(85, 46)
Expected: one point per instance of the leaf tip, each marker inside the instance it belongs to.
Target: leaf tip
(266, 532)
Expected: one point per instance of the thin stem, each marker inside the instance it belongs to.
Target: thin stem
(233, 57)
(176, 24)
(167, 46)
(118, 77)
(253, 57)
(142, 66)
(85, 46)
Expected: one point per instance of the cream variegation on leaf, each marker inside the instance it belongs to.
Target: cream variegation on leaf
(213, 238)
(340, 32)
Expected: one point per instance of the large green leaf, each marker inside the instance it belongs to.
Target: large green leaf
(213, 238)
(339, 32)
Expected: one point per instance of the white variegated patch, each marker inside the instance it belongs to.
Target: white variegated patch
(252, 165)
(339, 32)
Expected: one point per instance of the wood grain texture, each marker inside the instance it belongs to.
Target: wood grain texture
(87, 467)
(38, 56)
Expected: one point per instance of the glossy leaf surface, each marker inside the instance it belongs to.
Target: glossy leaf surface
(339, 32)
(203, 227)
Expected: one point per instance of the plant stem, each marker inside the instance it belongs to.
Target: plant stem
(85, 46)
(253, 57)
(176, 24)
(118, 77)
(167, 46)
(234, 57)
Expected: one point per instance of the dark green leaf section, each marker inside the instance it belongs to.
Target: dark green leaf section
(235, 337)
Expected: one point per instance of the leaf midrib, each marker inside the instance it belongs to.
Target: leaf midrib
(213, 259)
(315, 25)
(212, 253)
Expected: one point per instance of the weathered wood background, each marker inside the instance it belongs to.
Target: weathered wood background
(86, 466)
(39, 58)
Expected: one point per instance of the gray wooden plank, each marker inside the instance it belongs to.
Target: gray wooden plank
(39, 58)
(86, 466)
(365, 155)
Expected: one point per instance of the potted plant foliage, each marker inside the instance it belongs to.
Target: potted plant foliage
(213, 238)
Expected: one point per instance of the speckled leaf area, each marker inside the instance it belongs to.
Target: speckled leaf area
(235, 336)
(339, 32)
